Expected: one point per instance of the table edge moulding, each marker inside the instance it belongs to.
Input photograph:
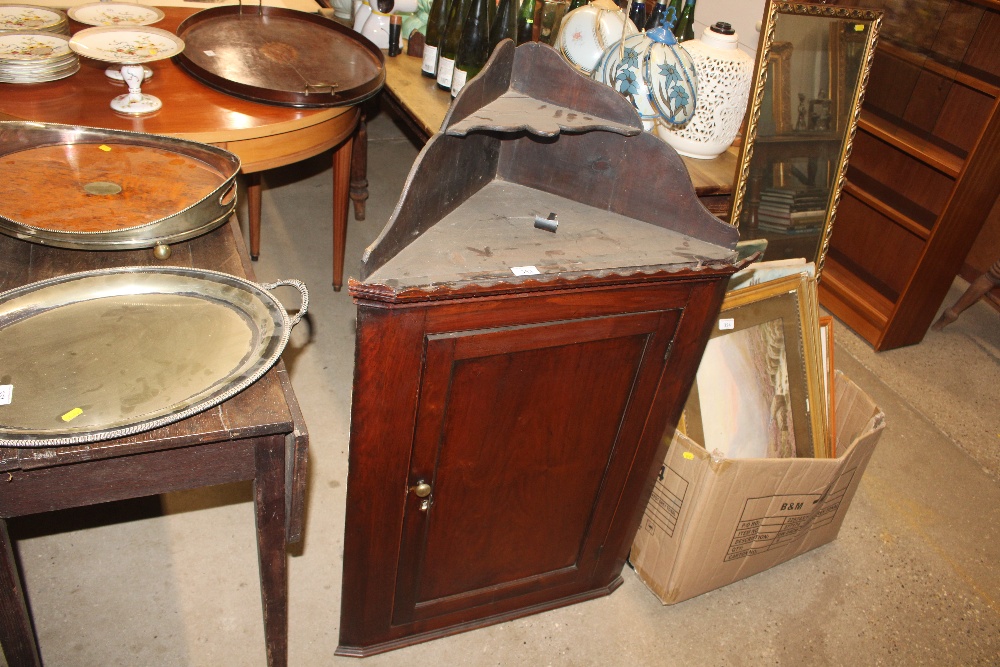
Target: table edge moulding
(513, 384)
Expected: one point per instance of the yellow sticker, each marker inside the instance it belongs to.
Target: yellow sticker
(859, 27)
(72, 414)
(688, 455)
(105, 148)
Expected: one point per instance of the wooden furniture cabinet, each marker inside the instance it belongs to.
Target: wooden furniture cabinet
(923, 174)
(506, 428)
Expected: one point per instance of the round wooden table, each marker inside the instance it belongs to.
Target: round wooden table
(262, 135)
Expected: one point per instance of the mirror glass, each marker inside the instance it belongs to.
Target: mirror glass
(812, 65)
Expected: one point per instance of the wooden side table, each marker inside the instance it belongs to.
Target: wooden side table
(257, 435)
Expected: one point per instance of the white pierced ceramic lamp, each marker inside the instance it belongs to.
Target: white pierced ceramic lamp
(724, 74)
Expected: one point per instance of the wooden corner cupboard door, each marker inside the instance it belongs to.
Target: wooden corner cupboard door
(498, 450)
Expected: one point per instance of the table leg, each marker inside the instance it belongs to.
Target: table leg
(17, 638)
(341, 203)
(253, 212)
(359, 169)
(269, 507)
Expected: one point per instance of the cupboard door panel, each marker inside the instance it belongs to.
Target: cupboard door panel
(517, 435)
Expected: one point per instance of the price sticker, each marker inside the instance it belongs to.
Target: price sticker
(6, 393)
(524, 271)
(727, 323)
(210, 53)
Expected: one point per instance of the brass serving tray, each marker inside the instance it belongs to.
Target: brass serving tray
(96, 189)
(109, 353)
(280, 56)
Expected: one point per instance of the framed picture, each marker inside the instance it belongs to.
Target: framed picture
(758, 392)
(826, 341)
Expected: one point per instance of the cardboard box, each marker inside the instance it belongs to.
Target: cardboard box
(711, 522)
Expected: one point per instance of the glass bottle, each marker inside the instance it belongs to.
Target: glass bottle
(526, 22)
(436, 24)
(576, 4)
(504, 26)
(685, 24)
(474, 48)
(449, 44)
(638, 13)
(664, 15)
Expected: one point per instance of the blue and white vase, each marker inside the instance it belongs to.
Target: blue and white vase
(654, 73)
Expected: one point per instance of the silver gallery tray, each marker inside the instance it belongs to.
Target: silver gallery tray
(94, 189)
(109, 353)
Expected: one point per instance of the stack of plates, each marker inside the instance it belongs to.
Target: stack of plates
(30, 56)
(30, 17)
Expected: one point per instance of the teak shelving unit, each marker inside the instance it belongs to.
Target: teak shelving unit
(923, 171)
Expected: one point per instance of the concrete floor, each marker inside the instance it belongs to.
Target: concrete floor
(912, 579)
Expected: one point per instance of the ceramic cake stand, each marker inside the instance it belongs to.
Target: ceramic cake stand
(129, 46)
(116, 14)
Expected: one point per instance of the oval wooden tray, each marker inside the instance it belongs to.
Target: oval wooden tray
(281, 56)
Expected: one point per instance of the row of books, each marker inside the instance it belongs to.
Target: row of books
(792, 210)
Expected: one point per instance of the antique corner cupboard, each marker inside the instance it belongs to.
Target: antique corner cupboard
(924, 170)
(513, 385)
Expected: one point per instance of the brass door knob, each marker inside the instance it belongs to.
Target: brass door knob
(422, 489)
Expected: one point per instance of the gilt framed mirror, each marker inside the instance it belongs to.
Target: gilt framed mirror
(812, 65)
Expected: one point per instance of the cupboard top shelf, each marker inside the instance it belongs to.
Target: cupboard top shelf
(492, 234)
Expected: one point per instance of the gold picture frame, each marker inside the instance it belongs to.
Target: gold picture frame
(759, 389)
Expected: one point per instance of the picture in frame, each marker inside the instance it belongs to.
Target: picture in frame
(751, 395)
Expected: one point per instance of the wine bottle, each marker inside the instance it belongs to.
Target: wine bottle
(638, 13)
(474, 48)
(436, 23)
(449, 44)
(656, 16)
(504, 25)
(526, 22)
(664, 15)
(685, 24)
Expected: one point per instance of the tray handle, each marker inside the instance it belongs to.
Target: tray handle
(299, 285)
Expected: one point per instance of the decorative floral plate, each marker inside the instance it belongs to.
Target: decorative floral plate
(28, 17)
(114, 14)
(33, 46)
(126, 45)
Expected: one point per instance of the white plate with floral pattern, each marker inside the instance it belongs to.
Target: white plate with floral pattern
(32, 46)
(126, 45)
(28, 17)
(115, 14)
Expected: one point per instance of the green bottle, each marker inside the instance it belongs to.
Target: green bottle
(437, 22)
(526, 22)
(576, 4)
(474, 48)
(685, 24)
(449, 44)
(504, 26)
